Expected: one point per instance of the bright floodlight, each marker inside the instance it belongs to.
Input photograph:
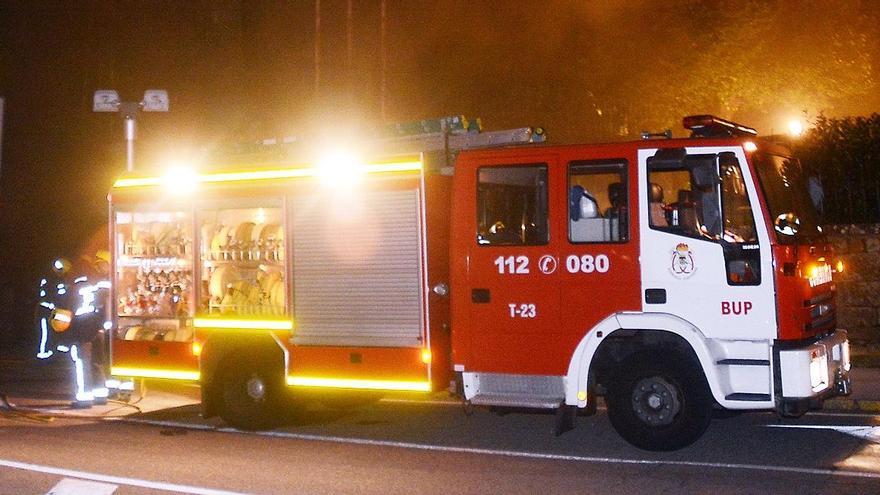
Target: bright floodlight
(155, 100)
(180, 179)
(795, 128)
(105, 100)
(339, 168)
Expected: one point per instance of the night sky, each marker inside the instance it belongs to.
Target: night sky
(239, 71)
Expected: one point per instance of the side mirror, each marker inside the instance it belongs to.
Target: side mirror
(787, 224)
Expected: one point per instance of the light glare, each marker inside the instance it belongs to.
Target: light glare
(340, 169)
(180, 180)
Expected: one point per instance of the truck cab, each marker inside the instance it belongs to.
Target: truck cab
(671, 276)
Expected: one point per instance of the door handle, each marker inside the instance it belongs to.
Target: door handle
(480, 296)
(655, 296)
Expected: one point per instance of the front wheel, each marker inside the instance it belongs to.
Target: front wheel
(250, 394)
(659, 402)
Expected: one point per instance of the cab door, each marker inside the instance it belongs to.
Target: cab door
(599, 261)
(511, 294)
(705, 251)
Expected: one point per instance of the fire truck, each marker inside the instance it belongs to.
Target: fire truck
(672, 277)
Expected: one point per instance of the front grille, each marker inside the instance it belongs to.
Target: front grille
(829, 321)
(822, 310)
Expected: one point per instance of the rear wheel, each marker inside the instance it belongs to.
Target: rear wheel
(659, 401)
(251, 394)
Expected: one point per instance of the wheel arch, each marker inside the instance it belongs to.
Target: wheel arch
(623, 333)
(220, 346)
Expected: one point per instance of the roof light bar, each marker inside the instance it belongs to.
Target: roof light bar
(712, 126)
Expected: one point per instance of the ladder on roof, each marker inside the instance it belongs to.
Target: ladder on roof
(440, 140)
(447, 134)
(443, 140)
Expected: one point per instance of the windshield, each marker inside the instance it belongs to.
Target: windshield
(791, 209)
(739, 221)
(685, 198)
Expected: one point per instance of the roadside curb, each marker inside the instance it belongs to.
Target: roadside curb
(852, 405)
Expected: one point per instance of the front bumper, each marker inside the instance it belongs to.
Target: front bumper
(811, 373)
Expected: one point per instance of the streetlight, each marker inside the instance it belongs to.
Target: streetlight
(107, 100)
(795, 128)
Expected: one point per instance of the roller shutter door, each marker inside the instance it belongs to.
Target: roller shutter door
(357, 269)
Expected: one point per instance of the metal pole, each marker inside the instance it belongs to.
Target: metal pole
(317, 47)
(349, 58)
(130, 110)
(349, 35)
(382, 12)
(1, 135)
(130, 129)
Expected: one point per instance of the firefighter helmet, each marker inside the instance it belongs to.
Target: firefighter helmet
(61, 266)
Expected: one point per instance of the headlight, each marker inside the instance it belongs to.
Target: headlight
(818, 370)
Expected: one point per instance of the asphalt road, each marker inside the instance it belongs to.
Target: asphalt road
(417, 447)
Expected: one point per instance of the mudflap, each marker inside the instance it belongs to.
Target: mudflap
(565, 417)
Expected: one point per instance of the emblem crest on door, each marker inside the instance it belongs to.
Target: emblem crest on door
(682, 263)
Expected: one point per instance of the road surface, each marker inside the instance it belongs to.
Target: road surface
(402, 446)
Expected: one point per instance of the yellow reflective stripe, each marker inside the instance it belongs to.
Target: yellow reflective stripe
(393, 167)
(258, 175)
(290, 173)
(243, 324)
(154, 373)
(138, 181)
(308, 381)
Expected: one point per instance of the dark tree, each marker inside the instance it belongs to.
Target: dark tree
(844, 153)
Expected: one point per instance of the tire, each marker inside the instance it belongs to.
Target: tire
(659, 402)
(251, 394)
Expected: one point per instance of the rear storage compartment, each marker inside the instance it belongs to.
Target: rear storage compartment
(358, 270)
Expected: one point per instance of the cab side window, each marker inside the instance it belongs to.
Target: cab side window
(739, 221)
(681, 201)
(705, 197)
(597, 202)
(512, 205)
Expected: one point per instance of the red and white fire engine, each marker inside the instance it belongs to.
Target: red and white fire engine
(671, 276)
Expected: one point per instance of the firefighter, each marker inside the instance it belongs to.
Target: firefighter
(71, 320)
